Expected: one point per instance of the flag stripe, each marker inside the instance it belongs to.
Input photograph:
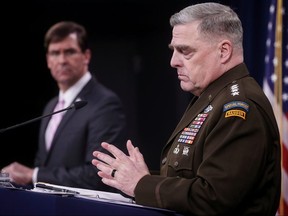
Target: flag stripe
(275, 84)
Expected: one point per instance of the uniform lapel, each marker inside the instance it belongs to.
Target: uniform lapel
(197, 106)
(194, 108)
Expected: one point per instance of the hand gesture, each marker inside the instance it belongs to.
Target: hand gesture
(123, 171)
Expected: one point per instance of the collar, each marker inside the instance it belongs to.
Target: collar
(70, 95)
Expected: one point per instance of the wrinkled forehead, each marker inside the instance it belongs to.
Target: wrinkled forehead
(188, 29)
(185, 32)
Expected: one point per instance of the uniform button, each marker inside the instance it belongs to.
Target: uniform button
(176, 163)
(164, 160)
(210, 97)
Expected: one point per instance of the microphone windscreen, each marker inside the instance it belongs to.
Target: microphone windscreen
(79, 104)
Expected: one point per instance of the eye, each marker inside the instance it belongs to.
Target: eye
(54, 53)
(70, 52)
(67, 53)
(185, 50)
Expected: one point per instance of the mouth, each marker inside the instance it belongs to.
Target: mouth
(180, 76)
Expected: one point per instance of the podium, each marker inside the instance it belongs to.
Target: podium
(25, 202)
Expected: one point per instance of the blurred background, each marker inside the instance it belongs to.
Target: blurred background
(129, 41)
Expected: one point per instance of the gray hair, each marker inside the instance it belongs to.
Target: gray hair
(215, 20)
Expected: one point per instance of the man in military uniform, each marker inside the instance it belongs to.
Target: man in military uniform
(223, 158)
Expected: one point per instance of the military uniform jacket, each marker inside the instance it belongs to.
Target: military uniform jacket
(223, 158)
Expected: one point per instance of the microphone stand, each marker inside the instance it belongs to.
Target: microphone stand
(75, 105)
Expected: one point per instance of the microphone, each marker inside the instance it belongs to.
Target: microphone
(76, 105)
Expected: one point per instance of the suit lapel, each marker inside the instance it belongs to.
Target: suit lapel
(69, 113)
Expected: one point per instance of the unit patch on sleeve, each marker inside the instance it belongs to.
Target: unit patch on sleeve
(236, 109)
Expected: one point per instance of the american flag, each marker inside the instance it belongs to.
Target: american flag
(275, 84)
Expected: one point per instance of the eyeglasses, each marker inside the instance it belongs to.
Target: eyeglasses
(68, 53)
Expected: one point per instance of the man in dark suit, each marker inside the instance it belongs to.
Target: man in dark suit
(223, 157)
(65, 148)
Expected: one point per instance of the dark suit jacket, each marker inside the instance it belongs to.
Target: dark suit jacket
(223, 158)
(80, 133)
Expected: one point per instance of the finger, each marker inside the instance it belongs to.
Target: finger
(112, 183)
(129, 145)
(138, 154)
(103, 157)
(105, 175)
(117, 153)
(95, 162)
(104, 167)
(134, 152)
(130, 148)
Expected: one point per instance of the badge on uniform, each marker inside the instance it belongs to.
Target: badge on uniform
(236, 109)
(234, 90)
(188, 135)
(185, 150)
(176, 150)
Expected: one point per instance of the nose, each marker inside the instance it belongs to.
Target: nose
(175, 60)
(62, 57)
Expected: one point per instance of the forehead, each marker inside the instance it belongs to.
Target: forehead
(185, 32)
(69, 42)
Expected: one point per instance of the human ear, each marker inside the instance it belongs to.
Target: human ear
(225, 50)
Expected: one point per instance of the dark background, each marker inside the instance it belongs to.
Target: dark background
(130, 56)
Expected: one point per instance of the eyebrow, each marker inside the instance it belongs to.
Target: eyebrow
(179, 47)
(170, 46)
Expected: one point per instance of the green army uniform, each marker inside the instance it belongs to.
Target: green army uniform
(223, 158)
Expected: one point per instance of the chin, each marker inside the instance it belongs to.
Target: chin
(185, 87)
